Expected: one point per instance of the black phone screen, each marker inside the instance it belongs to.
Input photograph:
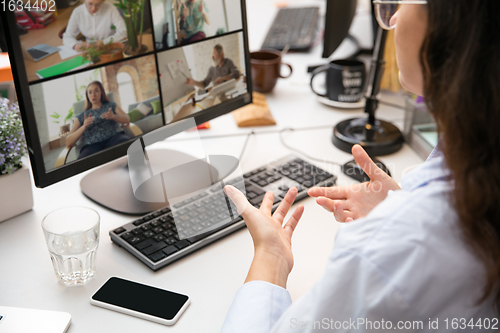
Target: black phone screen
(141, 298)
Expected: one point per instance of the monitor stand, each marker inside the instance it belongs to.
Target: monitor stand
(110, 185)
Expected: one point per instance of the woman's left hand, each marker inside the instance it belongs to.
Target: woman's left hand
(273, 259)
(108, 115)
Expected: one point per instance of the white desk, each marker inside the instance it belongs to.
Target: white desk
(212, 275)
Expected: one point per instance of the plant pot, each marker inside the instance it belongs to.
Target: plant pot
(117, 54)
(16, 196)
(127, 52)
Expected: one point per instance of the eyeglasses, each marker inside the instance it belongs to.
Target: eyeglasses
(385, 10)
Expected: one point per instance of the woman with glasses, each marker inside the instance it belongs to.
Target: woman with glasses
(424, 257)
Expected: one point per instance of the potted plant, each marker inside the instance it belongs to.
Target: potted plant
(133, 11)
(64, 129)
(16, 196)
(99, 52)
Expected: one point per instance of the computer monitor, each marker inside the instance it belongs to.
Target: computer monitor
(338, 19)
(145, 68)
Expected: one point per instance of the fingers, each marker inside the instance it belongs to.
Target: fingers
(285, 205)
(293, 221)
(341, 209)
(334, 192)
(267, 203)
(366, 163)
(340, 212)
(239, 199)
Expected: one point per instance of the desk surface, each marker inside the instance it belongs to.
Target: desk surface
(212, 275)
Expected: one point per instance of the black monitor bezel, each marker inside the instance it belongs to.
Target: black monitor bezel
(42, 178)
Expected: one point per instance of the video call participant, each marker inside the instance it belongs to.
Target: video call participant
(98, 124)
(94, 20)
(194, 16)
(223, 70)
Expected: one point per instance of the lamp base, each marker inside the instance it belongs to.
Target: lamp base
(380, 139)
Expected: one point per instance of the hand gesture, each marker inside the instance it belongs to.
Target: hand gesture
(88, 120)
(185, 11)
(80, 47)
(269, 235)
(219, 80)
(108, 115)
(201, 7)
(349, 203)
(190, 81)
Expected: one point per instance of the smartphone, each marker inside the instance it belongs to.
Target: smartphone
(139, 300)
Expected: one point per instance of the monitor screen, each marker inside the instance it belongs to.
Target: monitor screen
(93, 76)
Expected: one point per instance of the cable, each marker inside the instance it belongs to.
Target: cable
(245, 144)
(301, 152)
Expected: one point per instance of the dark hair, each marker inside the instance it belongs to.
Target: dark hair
(460, 58)
(104, 98)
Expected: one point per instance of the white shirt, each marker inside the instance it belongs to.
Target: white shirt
(405, 261)
(97, 26)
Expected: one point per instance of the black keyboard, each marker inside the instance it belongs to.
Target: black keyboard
(297, 27)
(163, 236)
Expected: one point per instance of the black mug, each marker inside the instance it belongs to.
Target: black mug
(345, 80)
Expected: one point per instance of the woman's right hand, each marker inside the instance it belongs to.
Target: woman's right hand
(80, 47)
(185, 11)
(351, 202)
(87, 120)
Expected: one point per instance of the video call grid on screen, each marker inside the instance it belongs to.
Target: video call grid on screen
(161, 83)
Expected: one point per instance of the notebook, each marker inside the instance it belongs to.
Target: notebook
(63, 67)
(20, 320)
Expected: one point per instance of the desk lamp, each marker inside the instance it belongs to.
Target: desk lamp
(376, 136)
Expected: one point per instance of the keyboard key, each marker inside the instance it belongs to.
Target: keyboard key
(153, 248)
(127, 235)
(146, 227)
(134, 240)
(182, 244)
(144, 244)
(137, 231)
(155, 223)
(159, 238)
(148, 234)
(169, 250)
(170, 240)
(158, 230)
(262, 183)
(168, 233)
(138, 222)
(257, 200)
(119, 230)
(157, 256)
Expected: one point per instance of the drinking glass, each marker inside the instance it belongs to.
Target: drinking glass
(72, 235)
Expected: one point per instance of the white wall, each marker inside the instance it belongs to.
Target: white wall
(233, 10)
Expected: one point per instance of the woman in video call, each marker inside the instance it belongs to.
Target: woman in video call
(426, 254)
(98, 124)
(194, 16)
(94, 19)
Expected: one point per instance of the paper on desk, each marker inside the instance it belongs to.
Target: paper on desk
(66, 52)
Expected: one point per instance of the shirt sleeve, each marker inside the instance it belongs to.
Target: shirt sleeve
(234, 71)
(256, 308)
(72, 30)
(209, 77)
(119, 23)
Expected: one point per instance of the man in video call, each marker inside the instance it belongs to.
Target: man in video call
(223, 70)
